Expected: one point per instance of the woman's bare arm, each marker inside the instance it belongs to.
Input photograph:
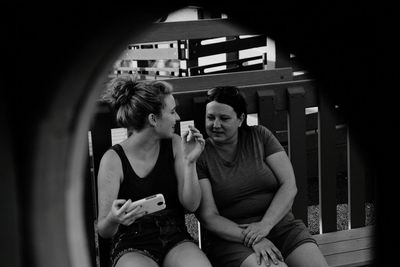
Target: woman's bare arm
(109, 177)
(282, 201)
(212, 220)
(186, 154)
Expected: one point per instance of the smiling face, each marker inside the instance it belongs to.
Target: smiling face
(222, 123)
(165, 125)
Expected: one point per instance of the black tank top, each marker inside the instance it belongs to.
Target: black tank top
(161, 179)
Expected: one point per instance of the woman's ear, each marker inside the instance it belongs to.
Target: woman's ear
(241, 119)
(152, 120)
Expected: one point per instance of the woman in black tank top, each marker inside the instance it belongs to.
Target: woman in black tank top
(152, 160)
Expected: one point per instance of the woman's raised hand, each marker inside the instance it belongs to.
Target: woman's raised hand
(122, 213)
(193, 144)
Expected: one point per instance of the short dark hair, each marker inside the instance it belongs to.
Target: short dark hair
(230, 95)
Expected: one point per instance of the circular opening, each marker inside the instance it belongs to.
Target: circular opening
(66, 135)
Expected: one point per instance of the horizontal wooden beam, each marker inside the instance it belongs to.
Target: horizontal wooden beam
(205, 82)
(172, 69)
(227, 46)
(238, 63)
(344, 235)
(185, 30)
(362, 257)
(150, 54)
(343, 246)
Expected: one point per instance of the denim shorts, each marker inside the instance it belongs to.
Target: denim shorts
(287, 235)
(153, 235)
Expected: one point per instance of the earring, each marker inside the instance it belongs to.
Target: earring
(152, 120)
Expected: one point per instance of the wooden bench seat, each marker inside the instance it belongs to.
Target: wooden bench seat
(346, 248)
(352, 247)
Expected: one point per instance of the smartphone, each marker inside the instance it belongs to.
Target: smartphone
(150, 204)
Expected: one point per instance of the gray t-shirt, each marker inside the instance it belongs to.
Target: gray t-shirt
(242, 189)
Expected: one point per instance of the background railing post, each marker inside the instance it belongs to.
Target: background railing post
(199, 111)
(327, 165)
(297, 149)
(356, 183)
(266, 109)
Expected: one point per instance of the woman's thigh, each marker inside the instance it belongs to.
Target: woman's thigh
(135, 259)
(186, 254)
(306, 255)
(251, 261)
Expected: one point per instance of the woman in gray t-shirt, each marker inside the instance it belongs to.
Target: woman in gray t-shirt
(248, 187)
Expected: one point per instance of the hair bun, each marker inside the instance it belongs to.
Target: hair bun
(120, 90)
(123, 94)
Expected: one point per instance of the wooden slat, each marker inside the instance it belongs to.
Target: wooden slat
(199, 110)
(234, 55)
(190, 61)
(143, 76)
(356, 183)
(352, 247)
(166, 69)
(230, 65)
(350, 259)
(297, 149)
(185, 30)
(281, 115)
(150, 45)
(187, 84)
(312, 151)
(282, 56)
(355, 233)
(346, 246)
(266, 109)
(227, 46)
(150, 54)
(327, 165)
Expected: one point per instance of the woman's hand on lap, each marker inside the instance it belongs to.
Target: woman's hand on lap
(254, 232)
(266, 250)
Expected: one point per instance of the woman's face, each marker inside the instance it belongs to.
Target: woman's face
(167, 120)
(222, 122)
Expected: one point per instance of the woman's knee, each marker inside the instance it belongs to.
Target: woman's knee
(251, 261)
(135, 259)
(186, 254)
(305, 255)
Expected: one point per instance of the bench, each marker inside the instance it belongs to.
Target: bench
(348, 247)
(311, 140)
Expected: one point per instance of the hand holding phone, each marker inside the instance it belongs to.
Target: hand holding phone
(122, 213)
(149, 204)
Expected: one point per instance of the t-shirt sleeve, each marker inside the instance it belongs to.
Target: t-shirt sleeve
(270, 142)
(201, 168)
